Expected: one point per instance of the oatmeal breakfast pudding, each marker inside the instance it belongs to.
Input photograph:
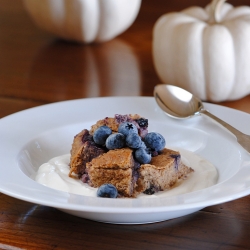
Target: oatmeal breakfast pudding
(119, 157)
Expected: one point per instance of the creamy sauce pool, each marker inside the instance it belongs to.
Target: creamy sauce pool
(54, 174)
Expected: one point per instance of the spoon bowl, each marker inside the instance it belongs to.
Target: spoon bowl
(177, 102)
(181, 104)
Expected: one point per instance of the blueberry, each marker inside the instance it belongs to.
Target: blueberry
(155, 141)
(101, 134)
(153, 189)
(121, 118)
(177, 158)
(143, 156)
(133, 140)
(107, 190)
(142, 122)
(143, 145)
(127, 128)
(115, 141)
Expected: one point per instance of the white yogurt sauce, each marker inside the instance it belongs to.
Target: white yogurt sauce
(54, 174)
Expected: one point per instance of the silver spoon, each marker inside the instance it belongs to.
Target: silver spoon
(179, 103)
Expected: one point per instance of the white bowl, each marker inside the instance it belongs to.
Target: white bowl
(32, 137)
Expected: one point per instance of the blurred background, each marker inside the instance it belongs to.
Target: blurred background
(36, 67)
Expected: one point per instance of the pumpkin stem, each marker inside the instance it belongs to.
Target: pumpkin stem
(215, 6)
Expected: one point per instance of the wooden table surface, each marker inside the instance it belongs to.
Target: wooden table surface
(36, 68)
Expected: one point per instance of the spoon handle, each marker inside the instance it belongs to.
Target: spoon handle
(243, 139)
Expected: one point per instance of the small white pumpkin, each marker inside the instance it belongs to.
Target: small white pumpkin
(84, 20)
(206, 51)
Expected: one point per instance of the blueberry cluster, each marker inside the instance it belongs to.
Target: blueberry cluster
(128, 136)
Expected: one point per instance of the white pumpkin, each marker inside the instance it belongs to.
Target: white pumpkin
(84, 20)
(206, 51)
